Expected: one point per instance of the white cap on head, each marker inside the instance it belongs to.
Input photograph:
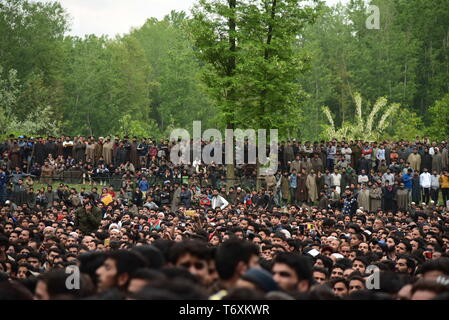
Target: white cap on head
(113, 226)
(48, 229)
(337, 255)
(286, 233)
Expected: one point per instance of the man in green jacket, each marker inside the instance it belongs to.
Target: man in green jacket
(87, 218)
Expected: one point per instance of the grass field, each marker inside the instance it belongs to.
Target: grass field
(78, 187)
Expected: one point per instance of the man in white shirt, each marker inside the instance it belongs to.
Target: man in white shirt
(380, 154)
(336, 180)
(363, 178)
(432, 148)
(218, 201)
(434, 186)
(388, 176)
(346, 152)
(425, 181)
(196, 164)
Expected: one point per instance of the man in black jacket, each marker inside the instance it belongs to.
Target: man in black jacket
(87, 218)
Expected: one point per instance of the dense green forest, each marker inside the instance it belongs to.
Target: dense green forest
(167, 73)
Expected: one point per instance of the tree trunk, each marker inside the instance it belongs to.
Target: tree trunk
(446, 49)
(230, 168)
(265, 91)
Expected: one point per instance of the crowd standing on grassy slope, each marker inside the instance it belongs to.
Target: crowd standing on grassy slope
(140, 227)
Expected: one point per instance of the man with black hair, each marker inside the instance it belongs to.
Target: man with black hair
(4, 244)
(356, 282)
(34, 259)
(258, 279)
(359, 264)
(8, 228)
(52, 254)
(264, 233)
(356, 239)
(320, 275)
(337, 271)
(354, 228)
(52, 285)
(233, 258)
(152, 255)
(322, 261)
(87, 218)
(192, 255)
(340, 286)
(276, 222)
(238, 233)
(279, 239)
(142, 278)
(14, 237)
(425, 289)
(403, 247)
(116, 270)
(292, 272)
(432, 269)
(349, 203)
(218, 201)
(293, 245)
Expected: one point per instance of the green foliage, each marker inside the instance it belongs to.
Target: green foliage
(9, 89)
(32, 34)
(439, 113)
(40, 118)
(89, 102)
(177, 94)
(252, 61)
(370, 127)
(404, 124)
(138, 128)
(40, 122)
(406, 59)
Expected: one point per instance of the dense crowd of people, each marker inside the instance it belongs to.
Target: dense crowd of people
(335, 218)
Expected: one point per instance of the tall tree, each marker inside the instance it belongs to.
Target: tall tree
(251, 59)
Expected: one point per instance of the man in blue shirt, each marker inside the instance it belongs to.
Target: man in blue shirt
(144, 185)
(293, 185)
(3, 181)
(407, 179)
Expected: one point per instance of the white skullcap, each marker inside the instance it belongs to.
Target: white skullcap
(286, 233)
(113, 226)
(338, 255)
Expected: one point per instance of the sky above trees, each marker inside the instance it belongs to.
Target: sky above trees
(112, 17)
